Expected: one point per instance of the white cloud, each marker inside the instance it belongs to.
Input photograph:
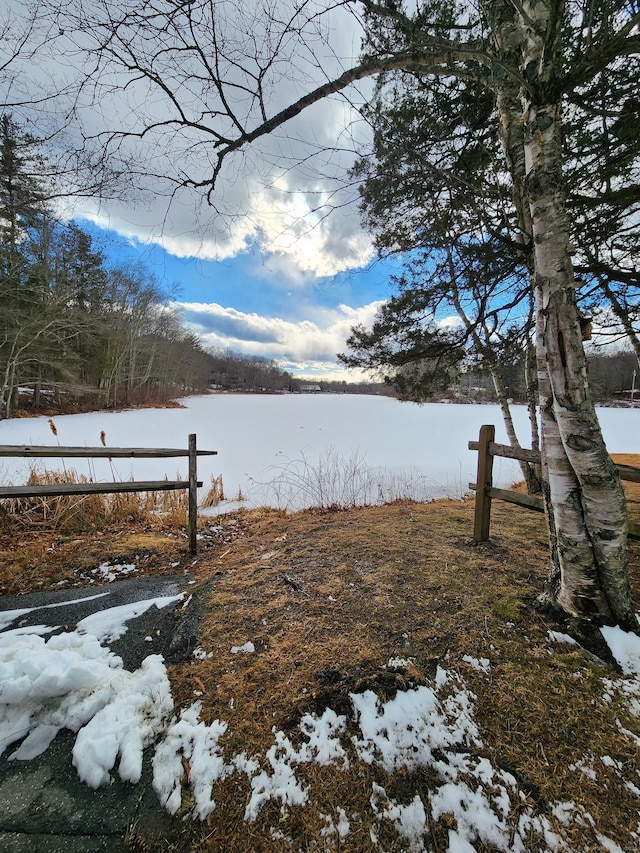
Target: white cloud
(306, 346)
(451, 322)
(291, 226)
(276, 192)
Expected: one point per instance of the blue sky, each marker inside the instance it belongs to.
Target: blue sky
(260, 302)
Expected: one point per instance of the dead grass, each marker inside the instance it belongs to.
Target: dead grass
(327, 597)
(74, 514)
(215, 493)
(55, 541)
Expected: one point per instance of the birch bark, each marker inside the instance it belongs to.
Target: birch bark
(586, 496)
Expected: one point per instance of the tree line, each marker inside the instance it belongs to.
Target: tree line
(75, 330)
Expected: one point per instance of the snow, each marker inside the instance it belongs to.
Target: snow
(247, 649)
(625, 647)
(190, 739)
(110, 572)
(111, 624)
(9, 616)
(125, 725)
(479, 664)
(278, 781)
(52, 680)
(399, 663)
(389, 741)
(72, 680)
(304, 452)
(410, 820)
(341, 828)
(559, 637)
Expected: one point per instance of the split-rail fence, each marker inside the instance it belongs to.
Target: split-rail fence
(486, 492)
(64, 489)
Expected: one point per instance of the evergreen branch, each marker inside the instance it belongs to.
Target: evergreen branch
(595, 61)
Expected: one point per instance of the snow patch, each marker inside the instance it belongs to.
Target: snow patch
(247, 649)
(559, 637)
(625, 647)
(479, 664)
(111, 624)
(197, 744)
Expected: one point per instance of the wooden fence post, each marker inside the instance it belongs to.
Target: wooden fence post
(484, 482)
(193, 494)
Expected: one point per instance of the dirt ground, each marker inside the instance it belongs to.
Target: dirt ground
(327, 598)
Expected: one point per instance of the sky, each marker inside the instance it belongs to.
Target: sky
(277, 264)
(260, 302)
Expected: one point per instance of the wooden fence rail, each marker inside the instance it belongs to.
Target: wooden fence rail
(486, 492)
(64, 489)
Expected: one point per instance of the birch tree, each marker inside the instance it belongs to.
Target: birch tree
(207, 82)
(435, 192)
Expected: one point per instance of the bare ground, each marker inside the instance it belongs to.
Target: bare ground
(327, 598)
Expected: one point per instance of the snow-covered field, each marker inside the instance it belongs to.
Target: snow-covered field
(295, 450)
(52, 679)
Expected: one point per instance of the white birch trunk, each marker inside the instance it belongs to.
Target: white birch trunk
(587, 500)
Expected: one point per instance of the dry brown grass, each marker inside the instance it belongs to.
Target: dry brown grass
(215, 493)
(55, 541)
(327, 598)
(74, 514)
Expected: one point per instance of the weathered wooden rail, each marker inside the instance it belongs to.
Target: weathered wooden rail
(113, 487)
(486, 492)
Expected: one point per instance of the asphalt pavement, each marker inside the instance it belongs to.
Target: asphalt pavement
(44, 807)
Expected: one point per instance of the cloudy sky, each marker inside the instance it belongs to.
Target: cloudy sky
(264, 302)
(274, 263)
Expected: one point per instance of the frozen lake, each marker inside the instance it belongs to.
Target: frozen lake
(296, 450)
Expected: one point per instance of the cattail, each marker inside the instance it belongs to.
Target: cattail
(54, 430)
(103, 439)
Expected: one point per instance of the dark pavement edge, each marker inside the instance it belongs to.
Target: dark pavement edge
(44, 807)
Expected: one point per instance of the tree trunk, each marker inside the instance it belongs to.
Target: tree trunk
(532, 396)
(529, 473)
(583, 496)
(586, 495)
(37, 388)
(528, 470)
(15, 393)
